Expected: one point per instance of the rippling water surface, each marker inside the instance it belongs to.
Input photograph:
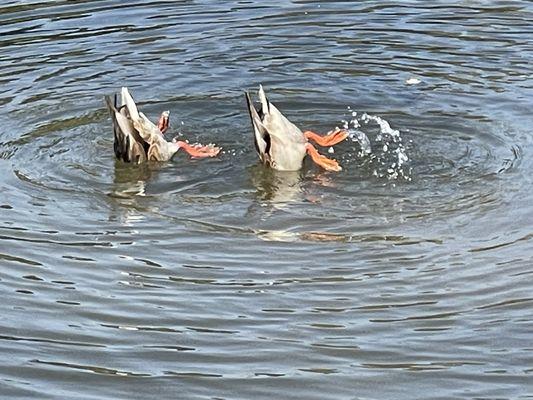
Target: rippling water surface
(405, 276)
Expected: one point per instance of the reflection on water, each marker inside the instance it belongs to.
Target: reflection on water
(278, 188)
(225, 279)
(130, 180)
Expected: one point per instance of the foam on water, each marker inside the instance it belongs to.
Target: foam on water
(384, 148)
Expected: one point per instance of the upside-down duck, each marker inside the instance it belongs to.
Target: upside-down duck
(281, 144)
(137, 139)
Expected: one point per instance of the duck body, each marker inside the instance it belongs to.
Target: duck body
(280, 144)
(137, 139)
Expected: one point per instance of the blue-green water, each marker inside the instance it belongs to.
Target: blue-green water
(218, 279)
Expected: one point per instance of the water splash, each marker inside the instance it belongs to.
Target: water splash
(384, 149)
(356, 135)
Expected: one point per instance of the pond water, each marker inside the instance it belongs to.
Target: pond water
(408, 275)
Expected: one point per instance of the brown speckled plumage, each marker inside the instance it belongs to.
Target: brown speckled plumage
(136, 138)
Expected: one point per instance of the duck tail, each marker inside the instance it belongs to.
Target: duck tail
(120, 142)
(265, 104)
(260, 132)
(130, 104)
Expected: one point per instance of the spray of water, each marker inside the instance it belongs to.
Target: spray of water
(385, 149)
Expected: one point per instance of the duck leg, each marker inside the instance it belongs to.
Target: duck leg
(328, 164)
(197, 150)
(164, 121)
(330, 139)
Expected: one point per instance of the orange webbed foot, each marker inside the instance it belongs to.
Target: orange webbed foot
(164, 122)
(330, 139)
(199, 151)
(328, 164)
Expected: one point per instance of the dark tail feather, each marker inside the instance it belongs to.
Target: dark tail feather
(261, 137)
(121, 141)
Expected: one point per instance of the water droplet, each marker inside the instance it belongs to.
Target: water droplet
(412, 81)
